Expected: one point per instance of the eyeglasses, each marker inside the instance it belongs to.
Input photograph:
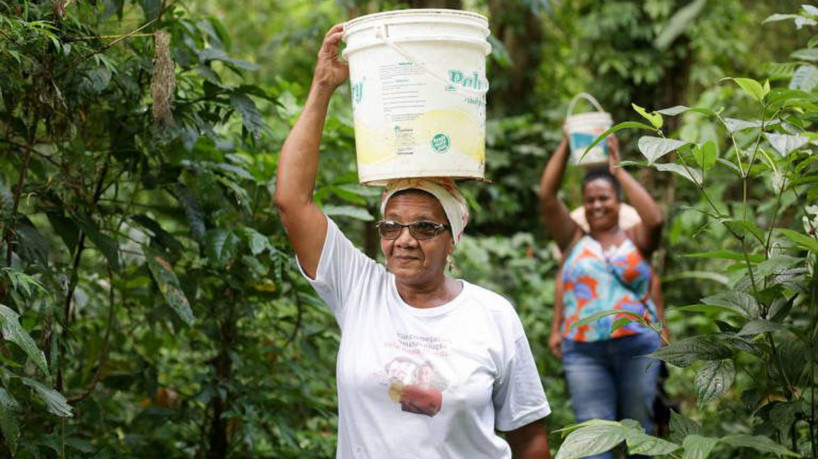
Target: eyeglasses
(421, 231)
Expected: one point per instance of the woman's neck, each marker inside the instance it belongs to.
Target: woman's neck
(608, 236)
(429, 296)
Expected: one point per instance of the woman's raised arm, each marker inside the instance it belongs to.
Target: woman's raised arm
(555, 215)
(305, 223)
(647, 234)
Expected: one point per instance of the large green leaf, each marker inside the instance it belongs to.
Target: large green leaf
(740, 302)
(55, 403)
(757, 442)
(654, 148)
(679, 109)
(805, 78)
(694, 175)
(220, 246)
(590, 440)
(13, 332)
(698, 447)
(168, 283)
(256, 241)
(706, 155)
(804, 241)
(9, 420)
(680, 427)
(713, 379)
(786, 144)
(736, 125)
(690, 350)
(107, 246)
(752, 88)
(805, 54)
(641, 443)
(759, 326)
(784, 414)
(250, 115)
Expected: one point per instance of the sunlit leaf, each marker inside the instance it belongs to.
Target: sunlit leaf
(786, 144)
(641, 443)
(690, 350)
(780, 17)
(740, 302)
(168, 283)
(13, 332)
(654, 118)
(694, 175)
(751, 87)
(698, 447)
(590, 440)
(713, 379)
(654, 148)
(706, 155)
(736, 125)
(55, 403)
(805, 78)
(803, 241)
(806, 54)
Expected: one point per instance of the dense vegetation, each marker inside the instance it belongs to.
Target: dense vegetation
(149, 301)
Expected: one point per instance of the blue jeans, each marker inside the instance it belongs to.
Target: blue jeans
(609, 380)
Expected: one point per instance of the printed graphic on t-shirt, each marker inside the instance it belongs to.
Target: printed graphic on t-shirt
(411, 378)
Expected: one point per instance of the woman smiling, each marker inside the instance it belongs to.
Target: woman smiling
(428, 365)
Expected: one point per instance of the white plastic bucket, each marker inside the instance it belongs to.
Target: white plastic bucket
(418, 86)
(583, 128)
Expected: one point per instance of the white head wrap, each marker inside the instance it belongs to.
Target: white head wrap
(453, 202)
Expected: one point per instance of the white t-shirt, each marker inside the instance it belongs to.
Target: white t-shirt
(424, 383)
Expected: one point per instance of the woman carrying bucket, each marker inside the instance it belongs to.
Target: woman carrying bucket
(606, 269)
(428, 366)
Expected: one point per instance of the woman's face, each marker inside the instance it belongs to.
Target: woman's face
(411, 261)
(601, 204)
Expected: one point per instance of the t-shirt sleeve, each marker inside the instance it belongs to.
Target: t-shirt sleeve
(519, 398)
(341, 270)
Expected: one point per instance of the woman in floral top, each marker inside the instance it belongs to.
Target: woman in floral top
(606, 268)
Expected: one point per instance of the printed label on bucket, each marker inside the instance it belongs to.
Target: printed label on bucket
(579, 143)
(441, 143)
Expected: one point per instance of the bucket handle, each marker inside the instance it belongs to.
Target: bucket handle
(383, 34)
(586, 96)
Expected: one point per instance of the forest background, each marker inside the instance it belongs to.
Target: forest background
(149, 300)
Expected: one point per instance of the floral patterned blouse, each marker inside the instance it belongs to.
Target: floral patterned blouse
(597, 280)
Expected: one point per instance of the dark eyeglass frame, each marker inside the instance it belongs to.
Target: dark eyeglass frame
(414, 231)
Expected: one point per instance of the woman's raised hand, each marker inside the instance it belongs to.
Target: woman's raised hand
(613, 154)
(330, 71)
